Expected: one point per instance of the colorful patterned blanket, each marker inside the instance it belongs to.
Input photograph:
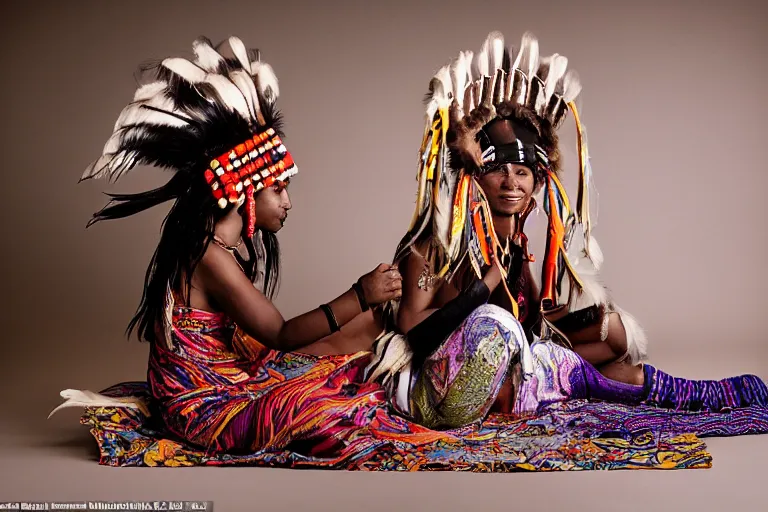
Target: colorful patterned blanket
(575, 435)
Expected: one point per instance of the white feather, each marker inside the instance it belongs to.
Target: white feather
(466, 97)
(432, 107)
(240, 52)
(113, 162)
(443, 209)
(528, 58)
(145, 92)
(137, 113)
(637, 341)
(391, 354)
(593, 291)
(468, 56)
(595, 252)
(85, 398)
(268, 85)
(229, 93)
(207, 57)
(557, 69)
(495, 51)
(105, 166)
(244, 82)
(571, 86)
(185, 69)
(491, 54)
(458, 78)
(441, 93)
(481, 61)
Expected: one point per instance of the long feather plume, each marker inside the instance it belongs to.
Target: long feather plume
(207, 57)
(481, 60)
(571, 86)
(443, 87)
(185, 69)
(557, 70)
(467, 98)
(244, 82)
(444, 201)
(496, 52)
(267, 81)
(240, 52)
(528, 58)
(149, 90)
(157, 110)
(229, 94)
(459, 78)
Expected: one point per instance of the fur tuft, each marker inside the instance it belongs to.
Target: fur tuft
(637, 340)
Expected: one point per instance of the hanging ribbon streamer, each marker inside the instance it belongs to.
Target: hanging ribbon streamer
(558, 209)
(582, 201)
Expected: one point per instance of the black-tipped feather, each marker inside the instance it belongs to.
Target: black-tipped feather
(187, 149)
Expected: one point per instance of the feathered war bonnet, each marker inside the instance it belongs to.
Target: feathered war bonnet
(212, 120)
(533, 95)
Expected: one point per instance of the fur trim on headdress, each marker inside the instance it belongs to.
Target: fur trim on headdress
(451, 212)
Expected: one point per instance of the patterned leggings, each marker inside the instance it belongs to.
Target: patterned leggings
(459, 383)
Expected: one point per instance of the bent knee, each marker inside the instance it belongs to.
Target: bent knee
(496, 326)
(493, 313)
(490, 314)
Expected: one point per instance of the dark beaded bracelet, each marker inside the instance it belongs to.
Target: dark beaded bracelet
(332, 322)
(360, 296)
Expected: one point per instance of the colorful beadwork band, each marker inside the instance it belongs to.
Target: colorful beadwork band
(259, 161)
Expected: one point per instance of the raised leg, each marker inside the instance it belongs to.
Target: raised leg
(460, 382)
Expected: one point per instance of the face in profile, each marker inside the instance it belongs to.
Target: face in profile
(272, 205)
(507, 186)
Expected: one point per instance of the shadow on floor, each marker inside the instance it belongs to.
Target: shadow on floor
(70, 443)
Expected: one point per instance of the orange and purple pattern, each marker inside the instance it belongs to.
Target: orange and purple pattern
(220, 398)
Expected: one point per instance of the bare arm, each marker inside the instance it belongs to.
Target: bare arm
(223, 280)
(427, 326)
(415, 303)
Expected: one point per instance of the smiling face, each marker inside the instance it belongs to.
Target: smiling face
(508, 186)
(272, 205)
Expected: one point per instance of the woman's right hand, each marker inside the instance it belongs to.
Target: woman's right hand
(382, 284)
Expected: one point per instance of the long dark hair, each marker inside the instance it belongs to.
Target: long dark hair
(210, 128)
(185, 234)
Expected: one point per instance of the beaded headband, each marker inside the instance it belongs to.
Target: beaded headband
(257, 163)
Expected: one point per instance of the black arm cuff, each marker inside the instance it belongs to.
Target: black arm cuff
(581, 319)
(427, 336)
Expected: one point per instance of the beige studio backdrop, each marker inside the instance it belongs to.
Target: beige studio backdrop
(673, 100)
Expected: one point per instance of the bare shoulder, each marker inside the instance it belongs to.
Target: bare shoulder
(218, 268)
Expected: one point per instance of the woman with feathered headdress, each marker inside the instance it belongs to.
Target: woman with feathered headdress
(217, 340)
(476, 330)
